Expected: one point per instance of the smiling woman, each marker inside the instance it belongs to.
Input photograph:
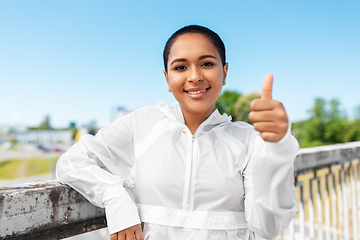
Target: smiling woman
(188, 172)
(195, 76)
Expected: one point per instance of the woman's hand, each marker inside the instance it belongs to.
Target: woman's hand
(269, 116)
(130, 233)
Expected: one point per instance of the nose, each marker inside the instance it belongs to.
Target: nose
(195, 75)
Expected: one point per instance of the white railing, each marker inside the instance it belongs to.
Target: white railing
(327, 180)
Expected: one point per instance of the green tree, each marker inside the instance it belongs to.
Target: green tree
(314, 129)
(327, 125)
(353, 132)
(337, 124)
(45, 125)
(242, 107)
(226, 101)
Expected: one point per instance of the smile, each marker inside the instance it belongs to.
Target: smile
(192, 92)
(197, 92)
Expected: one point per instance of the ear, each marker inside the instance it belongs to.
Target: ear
(225, 70)
(167, 79)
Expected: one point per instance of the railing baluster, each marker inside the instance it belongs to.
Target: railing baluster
(311, 211)
(345, 204)
(319, 208)
(353, 202)
(333, 207)
(312, 220)
(340, 205)
(301, 213)
(328, 200)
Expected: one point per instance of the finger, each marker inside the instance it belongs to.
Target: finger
(267, 87)
(263, 104)
(278, 116)
(121, 235)
(130, 236)
(139, 235)
(114, 236)
(262, 116)
(270, 137)
(267, 127)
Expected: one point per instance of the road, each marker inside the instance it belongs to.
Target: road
(25, 152)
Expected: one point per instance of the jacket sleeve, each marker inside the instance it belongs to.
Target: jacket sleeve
(96, 167)
(268, 175)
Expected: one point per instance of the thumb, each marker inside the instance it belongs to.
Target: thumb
(267, 87)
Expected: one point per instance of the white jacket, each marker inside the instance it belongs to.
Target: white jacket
(223, 182)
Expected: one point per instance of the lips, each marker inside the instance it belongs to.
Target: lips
(194, 91)
(197, 93)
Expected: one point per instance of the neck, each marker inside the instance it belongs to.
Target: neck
(193, 120)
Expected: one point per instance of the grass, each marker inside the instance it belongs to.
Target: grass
(18, 168)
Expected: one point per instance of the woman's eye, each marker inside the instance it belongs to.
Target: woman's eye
(179, 68)
(207, 64)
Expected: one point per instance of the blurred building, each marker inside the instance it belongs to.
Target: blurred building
(72, 125)
(5, 129)
(81, 132)
(45, 137)
(8, 133)
(91, 127)
(118, 112)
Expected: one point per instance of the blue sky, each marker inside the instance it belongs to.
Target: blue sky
(76, 60)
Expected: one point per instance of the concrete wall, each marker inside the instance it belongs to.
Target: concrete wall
(46, 210)
(310, 159)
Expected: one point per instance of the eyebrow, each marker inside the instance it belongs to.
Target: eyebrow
(178, 60)
(185, 60)
(207, 56)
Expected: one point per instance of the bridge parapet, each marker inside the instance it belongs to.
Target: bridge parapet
(46, 210)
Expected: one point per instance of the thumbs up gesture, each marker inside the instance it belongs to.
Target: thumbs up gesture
(269, 116)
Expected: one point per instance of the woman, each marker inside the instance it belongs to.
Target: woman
(188, 172)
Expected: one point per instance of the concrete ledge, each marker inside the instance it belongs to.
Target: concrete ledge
(310, 159)
(46, 210)
(50, 210)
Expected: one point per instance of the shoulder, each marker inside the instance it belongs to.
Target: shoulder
(239, 129)
(146, 113)
(240, 125)
(140, 121)
(132, 124)
(236, 133)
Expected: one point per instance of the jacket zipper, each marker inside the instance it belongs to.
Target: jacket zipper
(188, 187)
(191, 190)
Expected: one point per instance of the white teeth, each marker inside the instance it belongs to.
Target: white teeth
(197, 92)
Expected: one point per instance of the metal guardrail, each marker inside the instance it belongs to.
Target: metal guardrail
(49, 210)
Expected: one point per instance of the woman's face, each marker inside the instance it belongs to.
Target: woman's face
(195, 73)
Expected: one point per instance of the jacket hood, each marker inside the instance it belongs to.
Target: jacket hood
(175, 114)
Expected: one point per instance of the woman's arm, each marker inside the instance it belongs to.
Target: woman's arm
(269, 189)
(96, 167)
(268, 176)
